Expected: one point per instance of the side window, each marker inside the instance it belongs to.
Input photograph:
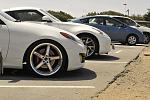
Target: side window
(98, 20)
(1, 22)
(112, 22)
(85, 21)
(130, 22)
(26, 15)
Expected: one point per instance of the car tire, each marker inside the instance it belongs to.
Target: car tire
(132, 40)
(91, 44)
(46, 58)
(146, 38)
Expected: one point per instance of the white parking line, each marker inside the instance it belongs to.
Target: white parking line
(118, 51)
(67, 87)
(107, 62)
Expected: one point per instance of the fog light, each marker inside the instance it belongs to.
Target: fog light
(82, 57)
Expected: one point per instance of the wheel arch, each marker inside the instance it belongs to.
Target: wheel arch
(97, 50)
(38, 41)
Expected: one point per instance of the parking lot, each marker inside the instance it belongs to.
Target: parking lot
(82, 84)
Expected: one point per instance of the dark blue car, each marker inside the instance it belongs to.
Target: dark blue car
(117, 30)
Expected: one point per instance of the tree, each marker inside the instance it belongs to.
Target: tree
(137, 17)
(111, 13)
(92, 14)
(105, 13)
(61, 15)
(147, 16)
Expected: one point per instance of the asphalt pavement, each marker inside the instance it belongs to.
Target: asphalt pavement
(81, 84)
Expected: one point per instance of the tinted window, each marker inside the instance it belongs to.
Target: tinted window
(1, 22)
(126, 21)
(112, 22)
(96, 20)
(26, 15)
(84, 20)
(6, 16)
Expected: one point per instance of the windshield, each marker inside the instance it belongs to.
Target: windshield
(52, 17)
(126, 21)
(6, 16)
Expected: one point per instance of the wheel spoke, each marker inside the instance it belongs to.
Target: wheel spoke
(55, 58)
(38, 55)
(39, 65)
(91, 46)
(49, 66)
(89, 41)
(47, 50)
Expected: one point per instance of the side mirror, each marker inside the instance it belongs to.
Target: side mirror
(137, 25)
(46, 18)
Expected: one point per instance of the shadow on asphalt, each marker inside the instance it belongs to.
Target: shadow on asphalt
(103, 58)
(15, 76)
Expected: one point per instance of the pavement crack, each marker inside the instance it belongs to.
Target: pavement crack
(135, 61)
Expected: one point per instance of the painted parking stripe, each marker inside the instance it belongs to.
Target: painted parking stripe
(107, 62)
(118, 51)
(67, 87)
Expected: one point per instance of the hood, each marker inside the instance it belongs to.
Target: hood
(144, 29)
(35, 28)
(78, 28)
(71, 24)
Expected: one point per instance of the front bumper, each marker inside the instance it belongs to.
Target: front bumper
(105, 45)
(76, 57)
(82, 57)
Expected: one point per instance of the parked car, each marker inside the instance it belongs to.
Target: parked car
(44, 50)
(118, 31)
(95, 40)
(132, 23)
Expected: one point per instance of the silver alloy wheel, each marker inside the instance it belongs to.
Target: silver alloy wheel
(132, 40)
(90, 45)
(146, 38)
(46, 59)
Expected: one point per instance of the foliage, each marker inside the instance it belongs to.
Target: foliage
(65, 16)
(147, 16)
(105, 13)
(137, 17)
(61, 15)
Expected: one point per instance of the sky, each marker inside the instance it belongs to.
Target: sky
(79, 8)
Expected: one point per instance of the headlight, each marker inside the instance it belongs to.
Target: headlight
(71, 37)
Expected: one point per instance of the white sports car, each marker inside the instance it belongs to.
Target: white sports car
(44, 50)
(95, 40)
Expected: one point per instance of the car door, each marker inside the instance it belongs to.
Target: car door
(97, 22)
(116, 30)
(100, 23)
(4, 39)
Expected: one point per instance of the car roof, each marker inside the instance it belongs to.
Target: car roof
(20, 8)
(112, 16)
